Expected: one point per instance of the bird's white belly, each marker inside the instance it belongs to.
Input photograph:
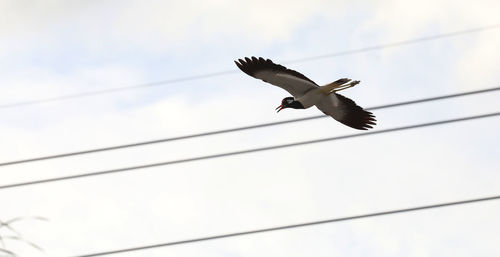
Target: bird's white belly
(311, 98)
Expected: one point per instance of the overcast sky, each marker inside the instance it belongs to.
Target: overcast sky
(54, 48)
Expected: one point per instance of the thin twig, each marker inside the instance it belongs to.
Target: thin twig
(17, 236)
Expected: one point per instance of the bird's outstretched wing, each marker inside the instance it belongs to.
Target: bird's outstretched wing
(295, 83)
(346, 111)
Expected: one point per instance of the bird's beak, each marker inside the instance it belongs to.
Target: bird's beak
(279, 108)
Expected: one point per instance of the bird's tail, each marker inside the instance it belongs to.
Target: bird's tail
(338, 85)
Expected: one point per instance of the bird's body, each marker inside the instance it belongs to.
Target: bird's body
(306, 93)
(314, 97)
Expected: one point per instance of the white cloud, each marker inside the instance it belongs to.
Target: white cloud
(160, 25)
(480, 62)
(403, 19)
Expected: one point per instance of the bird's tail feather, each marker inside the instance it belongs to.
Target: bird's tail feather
(328, 88)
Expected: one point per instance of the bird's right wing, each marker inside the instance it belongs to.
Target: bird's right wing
(346, 111)
(295, 83)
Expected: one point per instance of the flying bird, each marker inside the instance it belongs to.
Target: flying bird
(306, 93)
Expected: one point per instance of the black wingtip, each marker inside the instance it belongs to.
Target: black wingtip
(355, 116)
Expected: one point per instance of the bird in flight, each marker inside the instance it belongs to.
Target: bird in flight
(306, 93)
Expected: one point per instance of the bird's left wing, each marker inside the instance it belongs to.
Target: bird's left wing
(295, 83)
(346, 111)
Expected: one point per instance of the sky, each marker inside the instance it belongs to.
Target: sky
(55, 48)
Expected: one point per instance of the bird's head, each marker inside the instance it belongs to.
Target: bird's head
(289, 102)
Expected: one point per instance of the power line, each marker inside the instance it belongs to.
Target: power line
(260, 149)
(313, 223)
(223, 131)
(227, 72)
(398, 43)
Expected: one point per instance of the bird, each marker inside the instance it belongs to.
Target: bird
(306, 93)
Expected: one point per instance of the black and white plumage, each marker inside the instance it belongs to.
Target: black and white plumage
(306, 93)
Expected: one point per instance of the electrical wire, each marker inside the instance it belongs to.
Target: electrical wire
(227, 72)
(247, 151)
(312, 223)
(223, 131)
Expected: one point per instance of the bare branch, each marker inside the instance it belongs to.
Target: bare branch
(24, 241)
(17, 236)
(9, 253)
